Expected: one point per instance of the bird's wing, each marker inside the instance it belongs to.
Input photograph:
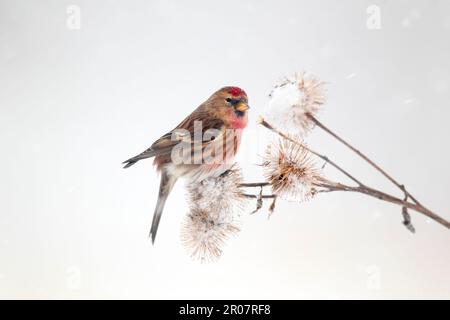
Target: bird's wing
(199, 119)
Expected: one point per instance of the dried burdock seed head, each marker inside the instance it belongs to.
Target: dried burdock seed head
(222, 193)
(215, 204)
(291, 172)
(292, 100)
(204, 233)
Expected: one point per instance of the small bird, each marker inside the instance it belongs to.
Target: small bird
(211, 135)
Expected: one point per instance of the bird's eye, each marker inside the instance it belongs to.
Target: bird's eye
(233, 102)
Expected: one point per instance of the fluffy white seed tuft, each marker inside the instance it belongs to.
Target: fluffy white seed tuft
(215, 206)
(292, 100)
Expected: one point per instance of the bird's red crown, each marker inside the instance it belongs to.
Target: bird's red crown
(235, 91)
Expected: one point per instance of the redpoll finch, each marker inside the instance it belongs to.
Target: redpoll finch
(203, 145)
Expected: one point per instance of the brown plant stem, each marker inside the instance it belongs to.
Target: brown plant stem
(254, 196)
(259, 197)
(361, 188)
(363, 156)
(321, 156)
(254, 185)
(330, 187)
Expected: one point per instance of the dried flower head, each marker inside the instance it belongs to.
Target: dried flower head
(204, 233)
(222, 192)
(290, 170)
(215, 204)
(292, 100)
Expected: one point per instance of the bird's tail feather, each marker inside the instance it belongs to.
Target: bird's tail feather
(129, 163)
(167, 183)
(144, 155)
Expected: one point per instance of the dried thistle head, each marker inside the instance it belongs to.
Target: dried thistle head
(222, 192)
(215, 204)
(204, 233)
(290, 171)
(292, 100)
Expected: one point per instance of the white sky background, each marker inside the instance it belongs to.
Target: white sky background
(75, 103)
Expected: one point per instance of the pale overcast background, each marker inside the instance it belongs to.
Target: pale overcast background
(75, 102)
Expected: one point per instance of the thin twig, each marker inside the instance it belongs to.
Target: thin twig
(272, 206)
(254, 196)
(407, 217)
(363, 156)
(361, 188)
(259, 201)
(254, 184)
(323, 157)
(330, 187)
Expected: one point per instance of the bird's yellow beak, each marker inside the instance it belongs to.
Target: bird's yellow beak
(242, 106)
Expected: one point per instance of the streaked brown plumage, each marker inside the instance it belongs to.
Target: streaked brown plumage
(225, 115)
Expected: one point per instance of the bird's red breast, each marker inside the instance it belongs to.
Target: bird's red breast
(237, 122)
